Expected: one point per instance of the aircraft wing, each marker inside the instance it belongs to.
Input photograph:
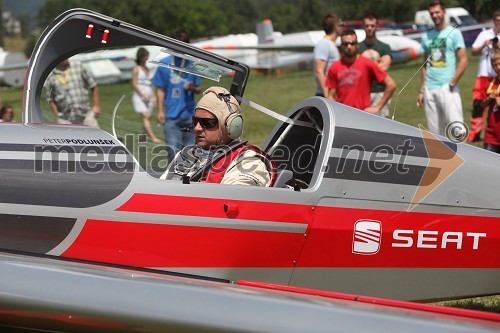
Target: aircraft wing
(469, 32)
(22, 65)
(270, 49)
(43, 293)
(12, 68)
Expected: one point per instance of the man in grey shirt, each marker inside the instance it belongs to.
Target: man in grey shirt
(326, 52)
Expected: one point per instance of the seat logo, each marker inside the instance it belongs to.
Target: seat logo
(366, 237)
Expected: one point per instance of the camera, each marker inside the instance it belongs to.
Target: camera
(494, 40)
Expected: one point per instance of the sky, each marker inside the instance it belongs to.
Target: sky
(23, 8)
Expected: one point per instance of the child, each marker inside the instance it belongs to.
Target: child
(7, 114)
(492, 101)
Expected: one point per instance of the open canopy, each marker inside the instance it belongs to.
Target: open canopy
(92, 32)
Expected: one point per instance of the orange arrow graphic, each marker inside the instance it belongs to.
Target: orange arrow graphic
(442, 163)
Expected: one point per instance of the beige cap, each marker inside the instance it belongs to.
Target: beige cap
(213, 102)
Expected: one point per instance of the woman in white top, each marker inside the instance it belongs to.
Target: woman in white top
(143, 98)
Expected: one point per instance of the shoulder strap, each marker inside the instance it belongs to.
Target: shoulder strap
(267, 159)
(182, 163)
(220, 153)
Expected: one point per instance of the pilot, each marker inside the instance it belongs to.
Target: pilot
(219, 156)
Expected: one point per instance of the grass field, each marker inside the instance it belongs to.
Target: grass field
(280, 93)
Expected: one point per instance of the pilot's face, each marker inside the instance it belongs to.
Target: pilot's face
(206, 129)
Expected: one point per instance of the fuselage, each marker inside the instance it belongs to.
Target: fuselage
(76, 192)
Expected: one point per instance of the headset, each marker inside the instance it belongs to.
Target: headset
(234, 121)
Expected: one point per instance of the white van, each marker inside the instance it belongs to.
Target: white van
(454, 16)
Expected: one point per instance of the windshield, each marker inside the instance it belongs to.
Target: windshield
(467, 19)
(105, 78)
(191, 65)
(112, 71)
(107, 50)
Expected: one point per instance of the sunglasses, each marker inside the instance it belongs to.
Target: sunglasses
(205, 122)
(350, 43)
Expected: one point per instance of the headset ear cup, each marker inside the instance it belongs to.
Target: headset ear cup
(234, 126)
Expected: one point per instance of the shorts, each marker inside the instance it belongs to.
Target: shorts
(375, 98)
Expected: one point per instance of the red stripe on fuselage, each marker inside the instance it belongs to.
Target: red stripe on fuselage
(211, 207)
(329, 242)
(376, 300)
(161, 245)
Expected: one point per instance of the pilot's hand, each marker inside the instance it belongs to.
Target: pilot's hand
(420, 99)
(96, 110)
(161, 116)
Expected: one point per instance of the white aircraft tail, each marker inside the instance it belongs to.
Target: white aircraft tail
(265, 31)
(266, 35)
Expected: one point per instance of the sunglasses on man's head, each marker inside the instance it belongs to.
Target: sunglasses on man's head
(205, 122)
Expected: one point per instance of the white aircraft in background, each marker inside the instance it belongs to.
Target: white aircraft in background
(13, 65)
(266, 49)
(271, 50)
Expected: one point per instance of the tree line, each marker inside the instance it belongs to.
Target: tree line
(207, 18)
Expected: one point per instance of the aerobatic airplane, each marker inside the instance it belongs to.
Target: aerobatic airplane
(362, 204)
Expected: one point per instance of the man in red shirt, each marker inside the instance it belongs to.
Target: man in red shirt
(349, 79)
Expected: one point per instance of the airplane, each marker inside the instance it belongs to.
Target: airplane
(75, 296)
(362, 205)
(469, 32)
(265, 50)
(270, 50)
(13, 66)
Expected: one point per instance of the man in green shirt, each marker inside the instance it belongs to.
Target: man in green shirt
(379, 52)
